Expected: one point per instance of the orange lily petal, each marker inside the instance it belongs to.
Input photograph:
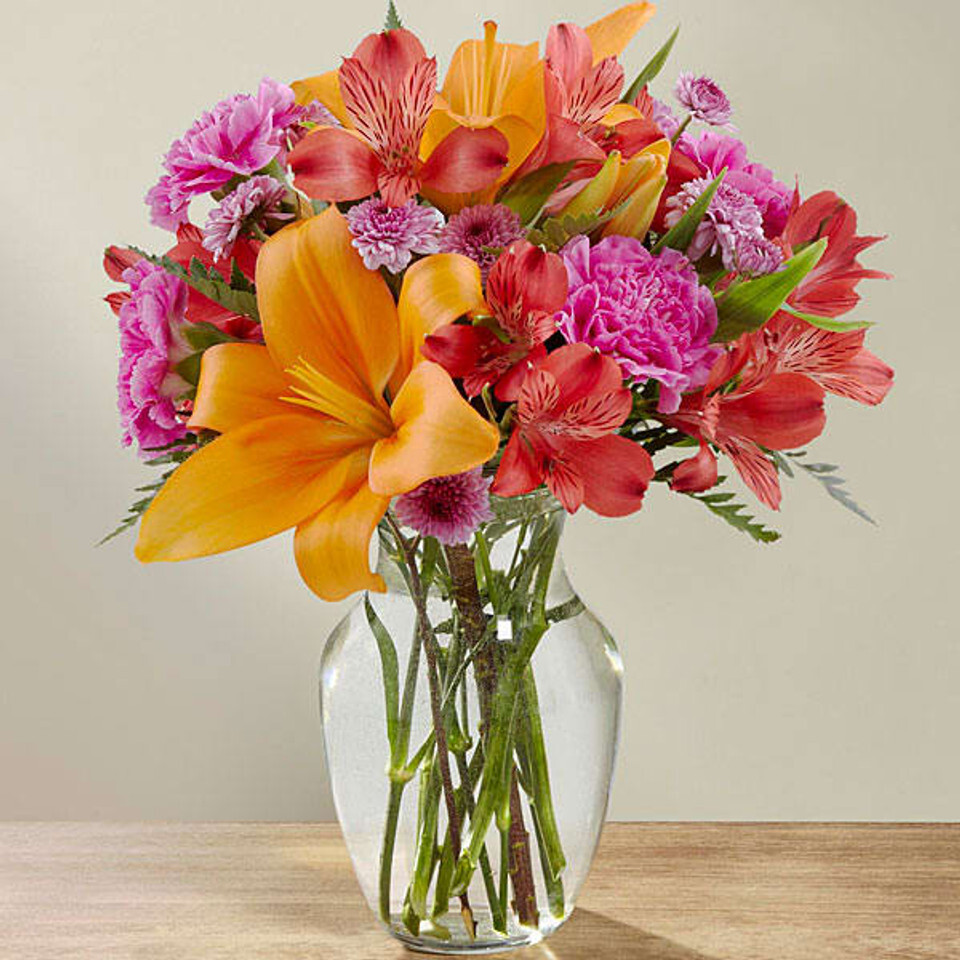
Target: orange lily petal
(482, 73)
(332, 548)
(320, 305)
(326, 89)
(238, 383)
(438, 434)
(640, 185)
(610, 35)
(621, 113)
(249, 484)
(436, 291)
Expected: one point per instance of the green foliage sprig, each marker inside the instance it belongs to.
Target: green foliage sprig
(171, 456)
(238, 294)
(724, 506)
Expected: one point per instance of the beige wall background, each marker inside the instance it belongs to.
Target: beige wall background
(814, 679)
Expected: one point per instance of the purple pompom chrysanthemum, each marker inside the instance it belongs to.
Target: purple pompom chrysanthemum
(732, 219)
(238, 137)
(448, 508)
(649, 313)
(253, 202)
(390, 236)
(704, 99)
(758, 256)
(476, 232)
(150, 348)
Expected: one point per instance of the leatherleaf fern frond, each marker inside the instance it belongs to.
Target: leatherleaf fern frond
(723, 504)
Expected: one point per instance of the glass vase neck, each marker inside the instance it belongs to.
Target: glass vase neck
(519, 524)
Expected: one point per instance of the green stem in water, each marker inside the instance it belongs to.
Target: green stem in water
(400, 773)
(498, 766)
(531, 741)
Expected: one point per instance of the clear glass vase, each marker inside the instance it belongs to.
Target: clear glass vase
(470, 717)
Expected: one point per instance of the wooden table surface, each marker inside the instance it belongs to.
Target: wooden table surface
(657, 892)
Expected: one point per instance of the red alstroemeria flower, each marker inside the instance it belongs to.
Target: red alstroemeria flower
(583, 81)
(838, 362)
(200, 309)
(829, 290)
(525, 289)
(778, 411)
(388, 89)
(570, 407)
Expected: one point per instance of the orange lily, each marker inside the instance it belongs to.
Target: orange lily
(490, 85)
(307, 438)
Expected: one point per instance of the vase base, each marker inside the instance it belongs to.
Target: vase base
(448, 937)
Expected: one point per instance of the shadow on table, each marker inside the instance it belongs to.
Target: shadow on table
(594, 936)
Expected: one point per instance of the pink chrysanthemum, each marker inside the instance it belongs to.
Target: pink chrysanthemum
(448, 508)
(477, 232)
(649, 313)
(664, 117)
(758, 256)
(150, 348)
(390, 236)
(254, 202)
(731, 220)
(704, 99)
(239, 136)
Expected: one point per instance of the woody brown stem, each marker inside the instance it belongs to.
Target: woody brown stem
(429, 641)
(521, 864)
(466, 594)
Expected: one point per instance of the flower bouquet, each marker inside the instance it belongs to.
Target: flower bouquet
(441, 321)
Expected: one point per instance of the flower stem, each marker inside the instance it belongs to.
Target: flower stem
(389, 841)
(429, 642)
(400, 775)
(521, 865)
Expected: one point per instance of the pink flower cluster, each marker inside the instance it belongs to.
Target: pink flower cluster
(238, 137)
(150, 348)
(647, 312)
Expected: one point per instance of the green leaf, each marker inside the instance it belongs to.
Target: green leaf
(529, 195)
(393, 21)
(652, 69)
(827, 323)
(211, 284)
(826, 475)
(557, 232)
(239, 280)
(172, 455)
(681, 234)
(200, 336)
(189, 368)
(748, 305)
(391, 676)
(726, 508)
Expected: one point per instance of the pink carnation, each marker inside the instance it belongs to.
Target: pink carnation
(150, 348)
(448, 508)
(649, 313)
(239, 136)
(714, 151)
